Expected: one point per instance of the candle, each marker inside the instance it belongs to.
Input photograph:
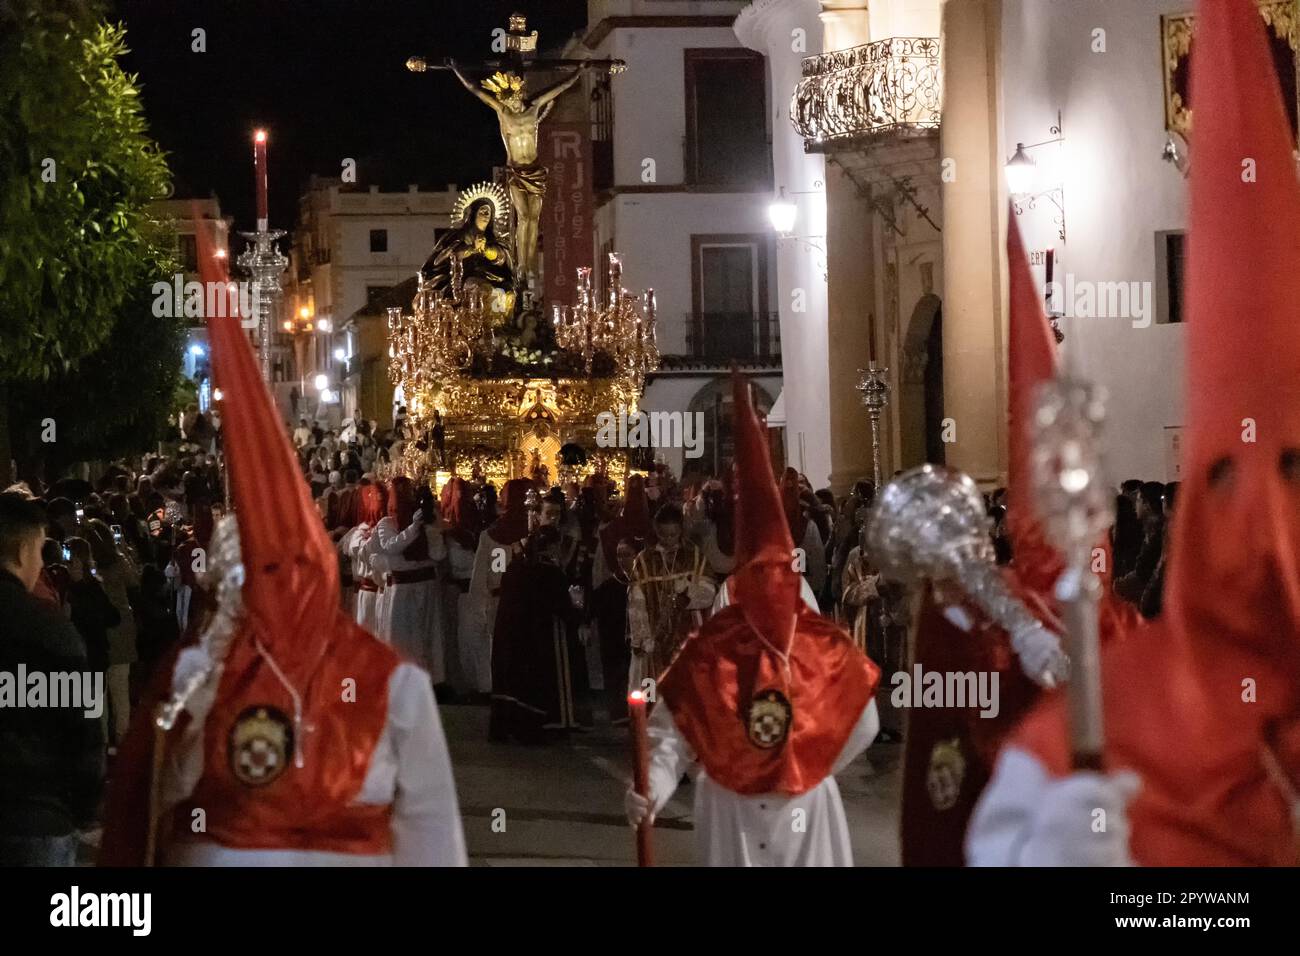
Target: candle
(1051, 269)
(615, 278)
(259, 175)
(871, 339)
(636, 708)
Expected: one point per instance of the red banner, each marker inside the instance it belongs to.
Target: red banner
(567, 227)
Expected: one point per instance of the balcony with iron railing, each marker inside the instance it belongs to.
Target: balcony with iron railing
(884, 91)
(720, 338)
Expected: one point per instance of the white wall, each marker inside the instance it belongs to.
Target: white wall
(650, 97)
(768, 26)
(411, 219)
(654, 234)
(1118, 193)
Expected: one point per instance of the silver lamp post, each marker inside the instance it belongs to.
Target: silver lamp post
(264, 264)
(874, 387)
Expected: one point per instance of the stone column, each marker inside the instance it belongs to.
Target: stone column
(852, 296)
(785, 31)
(974, 214)
(851, 256)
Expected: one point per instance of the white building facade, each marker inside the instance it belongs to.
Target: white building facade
(917, 106)
(683, 184)
(1098, 65)
(180, 214)
(352, 245)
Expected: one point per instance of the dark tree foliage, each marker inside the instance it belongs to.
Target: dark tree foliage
(78, 249)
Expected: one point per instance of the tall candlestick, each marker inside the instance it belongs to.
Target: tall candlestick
(259, 174)
(1051, 271)
(636, 709)
(615, 278)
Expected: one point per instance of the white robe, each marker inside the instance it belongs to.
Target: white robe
(410, 614)
(355, 544)
(485, 593)
(736, 830)
(814, 554)
(410, 769)
(473, 646)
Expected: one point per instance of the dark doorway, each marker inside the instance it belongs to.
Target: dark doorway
(934, 443)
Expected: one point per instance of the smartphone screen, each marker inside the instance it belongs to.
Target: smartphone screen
(117, 533)
(81, 514)
(67, 553)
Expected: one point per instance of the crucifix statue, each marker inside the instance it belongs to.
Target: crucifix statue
(520, 115)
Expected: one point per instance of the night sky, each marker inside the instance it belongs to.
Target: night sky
(328, 79)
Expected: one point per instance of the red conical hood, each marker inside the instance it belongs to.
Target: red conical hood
(401, 501)
(765, 584)
(512, 523)
(291, 588)
(460, 513)
(1031, 358)
(371, 507)
(1234, 573)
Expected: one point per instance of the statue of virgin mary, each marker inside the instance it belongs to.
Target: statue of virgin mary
(475, 254)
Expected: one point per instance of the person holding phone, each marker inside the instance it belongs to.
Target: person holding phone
(52, 761)
(120, 580)
(92, 611)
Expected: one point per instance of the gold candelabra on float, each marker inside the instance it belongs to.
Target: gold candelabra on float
(442, 335)
(620, 329)
(492, 425)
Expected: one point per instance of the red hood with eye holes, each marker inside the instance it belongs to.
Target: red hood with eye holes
(1233, 575)
(1204, 703)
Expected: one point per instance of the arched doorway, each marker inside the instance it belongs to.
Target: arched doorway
(715, 403)
(920, 389)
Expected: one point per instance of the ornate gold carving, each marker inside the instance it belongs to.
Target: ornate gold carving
(1177, 31)
(491, 426)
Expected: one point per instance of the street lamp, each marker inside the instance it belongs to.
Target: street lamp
(782, 214)
(340, 355)
(323, 325)
(1022, 179)
(1021, 172)
(322, 382)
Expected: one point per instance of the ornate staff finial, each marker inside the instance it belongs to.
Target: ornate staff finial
(1075, 508)
(930, 523)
